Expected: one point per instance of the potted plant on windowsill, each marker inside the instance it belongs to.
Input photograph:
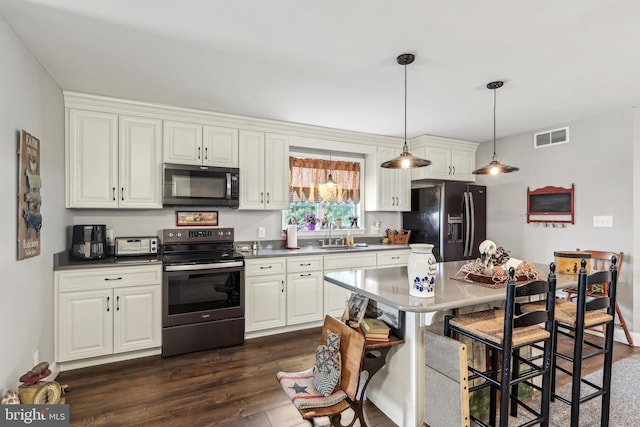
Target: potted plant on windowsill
(310, 221)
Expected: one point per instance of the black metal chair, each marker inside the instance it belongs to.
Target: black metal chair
(571, 320)
(507, 332)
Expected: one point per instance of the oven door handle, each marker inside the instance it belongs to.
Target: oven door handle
(193, 267)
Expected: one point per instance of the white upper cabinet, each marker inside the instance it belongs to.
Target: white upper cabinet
(113, 161)
(264, 170)
(394, 185)
(197, 144)
(451, 160)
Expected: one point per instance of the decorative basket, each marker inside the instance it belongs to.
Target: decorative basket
(401, 238)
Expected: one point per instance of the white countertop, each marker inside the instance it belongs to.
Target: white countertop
(390, 286)
(317, 250)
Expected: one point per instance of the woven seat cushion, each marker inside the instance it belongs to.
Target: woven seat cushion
(489, 325)
(299, 387)
(566, 312)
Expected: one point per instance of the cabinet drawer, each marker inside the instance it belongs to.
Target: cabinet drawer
(351, 261)
(393, 258)
(303, 264)
(99, 278)
(255, 267)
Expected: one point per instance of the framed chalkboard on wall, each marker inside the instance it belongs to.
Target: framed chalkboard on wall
(550, 201)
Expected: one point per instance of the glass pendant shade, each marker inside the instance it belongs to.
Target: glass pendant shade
(405, 160)
(495, 167)
(330, 182)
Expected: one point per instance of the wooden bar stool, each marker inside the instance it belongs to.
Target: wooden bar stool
(571, 320)
(507, 332)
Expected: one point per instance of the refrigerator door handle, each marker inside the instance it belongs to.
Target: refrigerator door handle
(467, 225)
(472, 211)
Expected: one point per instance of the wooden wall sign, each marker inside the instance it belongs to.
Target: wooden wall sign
(29, 196)
(551, 204)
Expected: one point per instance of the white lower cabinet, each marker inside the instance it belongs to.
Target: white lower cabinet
(336, 297)
(304, 290)
(266, 293)
(393, 258)
(105, 311)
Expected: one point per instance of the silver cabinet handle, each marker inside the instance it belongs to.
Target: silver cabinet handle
(454, 170)
(282, 281)
(266, 268)
(305, 275)
(108, 303)
(199, 152)
(395, 257)
(261, 197)
(206, 153)
(113, 193)
(305, 265)
(268, 197)
(114, 278)
(122, 193)
(118, 303)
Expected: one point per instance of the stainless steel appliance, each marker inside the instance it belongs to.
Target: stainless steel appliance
(186, 185)
(451, 216)
(202, 290)
(136, 246)
(89, 241)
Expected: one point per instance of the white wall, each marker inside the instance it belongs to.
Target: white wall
(599, 161)
(32, 101)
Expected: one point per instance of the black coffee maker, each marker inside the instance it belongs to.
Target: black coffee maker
(89, 241)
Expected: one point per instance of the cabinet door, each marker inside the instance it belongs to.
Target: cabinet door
(462, 165)
(441, 163)
(266, 302)
(304, 297)
(386, 181)
(92, 159)
(335, 300)
(403, 190)
(137, 318)
(220, 146)
(85, 321)
(251, 151)
(276, 178)
(140, 163)
(182, 143)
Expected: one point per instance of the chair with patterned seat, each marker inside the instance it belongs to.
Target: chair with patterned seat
(601, 261)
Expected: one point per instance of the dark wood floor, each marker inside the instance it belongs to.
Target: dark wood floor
(233, 386)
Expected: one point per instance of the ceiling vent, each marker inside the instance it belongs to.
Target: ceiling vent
(551, 137)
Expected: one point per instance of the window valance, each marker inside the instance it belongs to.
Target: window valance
(307, 177)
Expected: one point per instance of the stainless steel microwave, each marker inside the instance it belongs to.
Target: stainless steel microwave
(186, 185)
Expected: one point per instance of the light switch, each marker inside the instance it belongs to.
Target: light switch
(603, 221)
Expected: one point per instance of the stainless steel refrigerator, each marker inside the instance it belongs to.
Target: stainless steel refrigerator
(451, 216)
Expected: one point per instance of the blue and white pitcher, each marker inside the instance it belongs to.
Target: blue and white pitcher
(421, 269)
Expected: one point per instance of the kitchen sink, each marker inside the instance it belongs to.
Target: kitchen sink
(338, 247)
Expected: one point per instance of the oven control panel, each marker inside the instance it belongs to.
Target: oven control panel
(194, 235)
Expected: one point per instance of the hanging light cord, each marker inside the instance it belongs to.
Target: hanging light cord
(494, 124)
(405, 104)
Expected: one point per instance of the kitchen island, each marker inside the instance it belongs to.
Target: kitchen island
(399, 388)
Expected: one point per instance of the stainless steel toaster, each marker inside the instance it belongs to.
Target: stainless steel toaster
(136, 246)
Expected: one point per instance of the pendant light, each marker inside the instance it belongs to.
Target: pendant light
(405, 160)
(330, 182)
(495, 167)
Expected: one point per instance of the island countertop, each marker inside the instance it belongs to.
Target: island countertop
(390, 286)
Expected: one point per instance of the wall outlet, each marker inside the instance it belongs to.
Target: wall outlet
(603, 221)
(36, 357)
(261, 233)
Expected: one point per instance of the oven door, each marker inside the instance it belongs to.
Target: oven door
(195, 294)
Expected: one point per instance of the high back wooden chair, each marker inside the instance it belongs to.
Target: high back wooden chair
(352, 350)
(571, 321)
(505, 333)
(601, 261)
